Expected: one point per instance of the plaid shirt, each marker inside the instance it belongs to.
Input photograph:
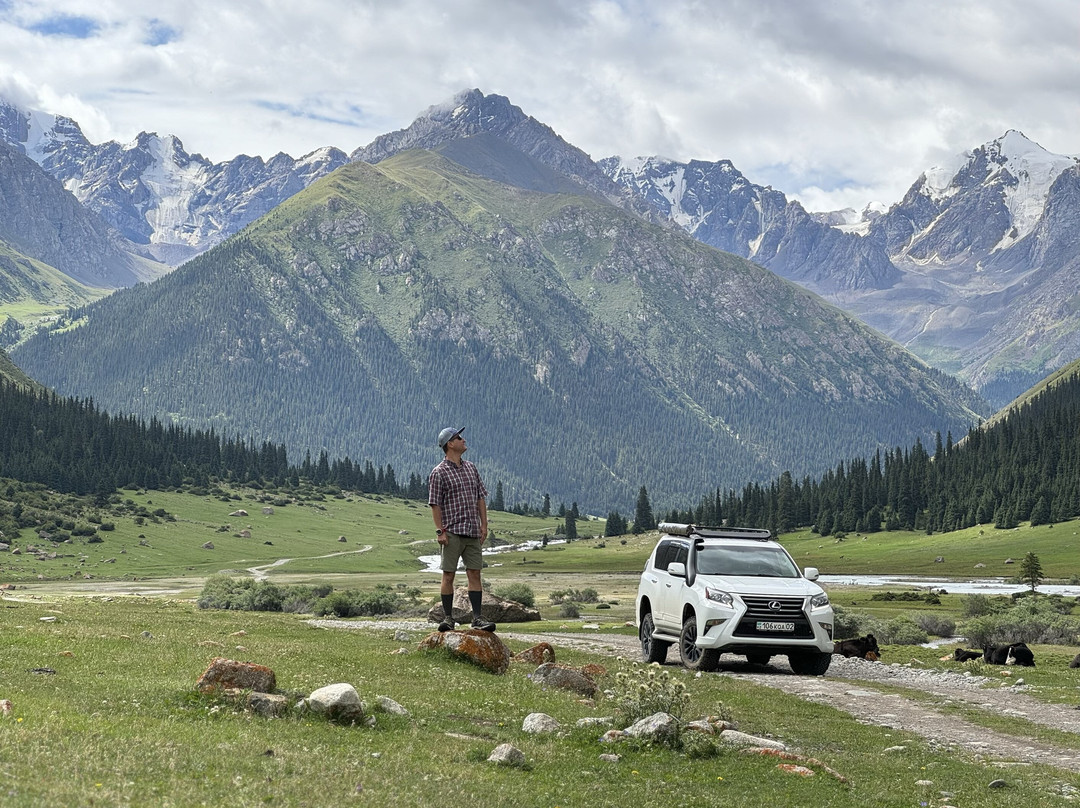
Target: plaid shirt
(456, 490)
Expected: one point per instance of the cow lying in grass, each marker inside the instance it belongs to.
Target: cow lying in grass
(1015, 654)
(862, 647)
(963, 655)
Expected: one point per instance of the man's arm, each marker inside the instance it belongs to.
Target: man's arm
(436, 514)
(481, 508)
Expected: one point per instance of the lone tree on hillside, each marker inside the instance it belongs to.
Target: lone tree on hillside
(1031, 571)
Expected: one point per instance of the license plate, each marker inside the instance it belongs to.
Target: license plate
(768, 625)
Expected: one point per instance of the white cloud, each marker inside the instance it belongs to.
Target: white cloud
(838, 103)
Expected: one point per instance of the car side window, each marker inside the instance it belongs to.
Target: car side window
(666, 554)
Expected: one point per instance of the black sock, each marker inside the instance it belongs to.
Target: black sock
(448, 606)
(475, 599)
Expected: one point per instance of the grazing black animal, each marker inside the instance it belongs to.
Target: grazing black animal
(963, 655)
(1016, 653)
(862, 647)
(1075, 662)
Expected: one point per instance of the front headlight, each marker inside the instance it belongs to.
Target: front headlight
(819, 601)
(720, 596)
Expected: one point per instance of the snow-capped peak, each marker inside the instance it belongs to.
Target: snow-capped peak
(1031, 171)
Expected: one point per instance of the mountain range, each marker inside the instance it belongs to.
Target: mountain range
(972, 270)
(587, 351)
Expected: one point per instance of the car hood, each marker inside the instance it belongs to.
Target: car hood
(754, 585)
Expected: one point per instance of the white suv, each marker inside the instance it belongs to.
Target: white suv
(713, 590)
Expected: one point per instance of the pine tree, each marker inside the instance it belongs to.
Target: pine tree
(570, 530)
(497, 501)
(1031, 571)
(643, 515)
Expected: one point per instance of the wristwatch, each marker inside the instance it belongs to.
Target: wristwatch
(439, 531)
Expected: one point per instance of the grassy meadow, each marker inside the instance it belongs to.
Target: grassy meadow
(104, 711)
(117, 722)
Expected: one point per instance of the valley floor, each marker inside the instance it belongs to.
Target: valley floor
(849, 685)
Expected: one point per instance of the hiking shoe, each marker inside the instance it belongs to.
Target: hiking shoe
(480, 624)
(446, 625)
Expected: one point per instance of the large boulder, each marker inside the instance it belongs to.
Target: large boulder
(551, 674)
(493, 608)
(228, 673)
(482, 648)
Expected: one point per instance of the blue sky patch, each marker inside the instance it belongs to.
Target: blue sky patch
(299, 112)
(66, 26)
(160, 33)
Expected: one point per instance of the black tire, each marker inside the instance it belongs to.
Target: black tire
(758, 658)
(651, 650)
(694, 658)
(811, 663)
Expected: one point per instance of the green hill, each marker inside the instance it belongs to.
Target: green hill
(587, 351)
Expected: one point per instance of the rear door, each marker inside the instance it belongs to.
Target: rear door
(669, 588)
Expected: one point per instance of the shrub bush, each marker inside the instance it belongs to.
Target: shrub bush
(642, 692)
(1030, 621)
(569, 609)
(521, 593)
(936, 624)
(847, 624)
(899, 631)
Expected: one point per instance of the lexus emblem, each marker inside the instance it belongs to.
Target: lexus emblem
(775, 606)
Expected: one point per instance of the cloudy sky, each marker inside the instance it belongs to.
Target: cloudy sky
(837, 102)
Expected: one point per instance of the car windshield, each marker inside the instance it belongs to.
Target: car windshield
(749, 559)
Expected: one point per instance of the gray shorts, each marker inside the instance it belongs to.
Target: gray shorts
(467, 548)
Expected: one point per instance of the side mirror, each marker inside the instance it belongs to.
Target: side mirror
(676, 569)
(810, 573)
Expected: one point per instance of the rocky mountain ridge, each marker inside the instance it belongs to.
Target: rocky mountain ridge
(588, 351)
(969, 270)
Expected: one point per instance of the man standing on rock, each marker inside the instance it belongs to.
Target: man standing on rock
(457, 495)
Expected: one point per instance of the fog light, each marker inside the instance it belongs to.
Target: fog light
(828, 628)
(713, 623)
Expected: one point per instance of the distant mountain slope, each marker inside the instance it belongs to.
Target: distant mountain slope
(42, 221)
(587, 351)
(9, 371)
(973, 269)
(716, 204)
(152, 191)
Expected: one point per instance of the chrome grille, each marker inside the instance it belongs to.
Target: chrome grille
(757, 607)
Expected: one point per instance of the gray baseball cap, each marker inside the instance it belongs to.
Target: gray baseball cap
(448, 435)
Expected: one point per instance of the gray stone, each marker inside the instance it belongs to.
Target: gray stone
(268, 705)
(540, 723)
(492, 608)
(339, 702)
(655, 727)
(736, 738)
(551, 674)
(507, 755)
(388, 705)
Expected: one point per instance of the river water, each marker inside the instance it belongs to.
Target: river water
(979, 586)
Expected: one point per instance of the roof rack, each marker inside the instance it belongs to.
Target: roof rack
(707, 532)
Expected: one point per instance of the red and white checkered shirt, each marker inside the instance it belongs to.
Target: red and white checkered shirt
(456, 490)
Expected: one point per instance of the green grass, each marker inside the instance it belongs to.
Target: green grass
(914, 553)
(119, 724)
